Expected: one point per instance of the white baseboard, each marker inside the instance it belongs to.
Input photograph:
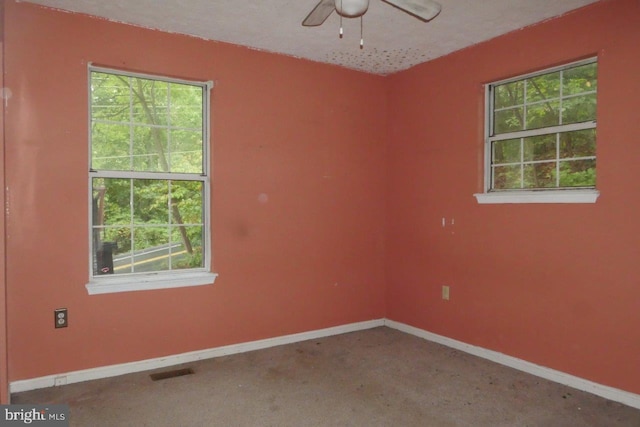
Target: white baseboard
(607, 392)
(161, 362)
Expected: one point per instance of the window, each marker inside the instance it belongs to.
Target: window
(148, 181)
(541, 136)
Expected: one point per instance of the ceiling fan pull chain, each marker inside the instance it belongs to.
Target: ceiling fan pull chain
(361, 37)
(340, 20)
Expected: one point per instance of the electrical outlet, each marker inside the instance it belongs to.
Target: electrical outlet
(445, 292)
(61, 317)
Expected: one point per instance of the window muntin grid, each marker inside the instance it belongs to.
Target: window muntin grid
(545, 115)
(129, 111)
(556, 160)
(148, 173)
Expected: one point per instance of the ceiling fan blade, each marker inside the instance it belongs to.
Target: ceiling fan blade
(320, 13)
(425, 10)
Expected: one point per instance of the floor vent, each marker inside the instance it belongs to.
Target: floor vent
(171, 374)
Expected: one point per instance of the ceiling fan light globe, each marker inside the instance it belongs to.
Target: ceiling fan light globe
(351, 8)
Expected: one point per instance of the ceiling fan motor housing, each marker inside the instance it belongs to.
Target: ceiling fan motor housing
(352, 8)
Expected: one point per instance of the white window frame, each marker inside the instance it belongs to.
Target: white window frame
(553, 195)
(162, 279)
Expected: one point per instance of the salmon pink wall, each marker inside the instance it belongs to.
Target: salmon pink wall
(329, 189)
(557, 285)
(4, 382)
(308, 254)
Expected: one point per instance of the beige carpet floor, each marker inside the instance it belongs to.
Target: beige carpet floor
(377, 377)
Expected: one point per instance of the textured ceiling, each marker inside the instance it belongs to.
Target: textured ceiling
(393, 40)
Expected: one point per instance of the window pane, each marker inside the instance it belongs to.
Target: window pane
(544, 87)
(543, 114)
(153, 126)
(509, 95)
(575, 170)
(111, 201)
(150, 101)
(117, 251)
(580, 79)
(151, 249)
(579, 109)
(120, 238)
(109, 244)
(186, 151)
(508, 120)
(121, 243)
(110, 146)
(507, 151)
(580, 143)
(540, 175)
(149, 150)
(186, 202)
(190, 253)
(110, 97)
(150, 201)
(186, 198)
(541, 147)
(578, 173)
(111, 215)
(186, 106)
(153, 151)
(506, 177)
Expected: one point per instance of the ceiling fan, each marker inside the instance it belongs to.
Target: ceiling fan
(424, 10)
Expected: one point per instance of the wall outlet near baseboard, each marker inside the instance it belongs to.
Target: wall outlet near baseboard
(61, 318)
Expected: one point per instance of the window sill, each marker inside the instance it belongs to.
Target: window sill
(541, 196)
(104, 285)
